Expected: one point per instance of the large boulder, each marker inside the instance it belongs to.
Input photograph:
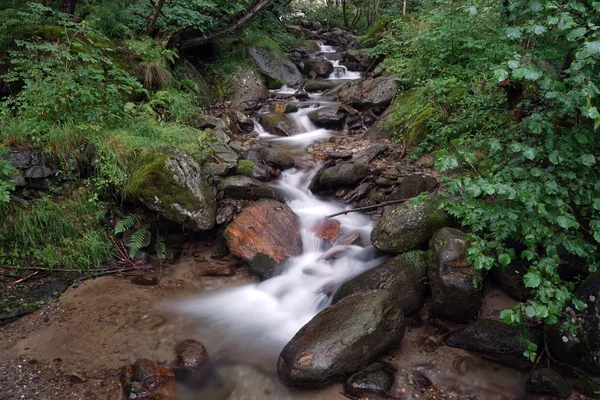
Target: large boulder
(277, 124)
(407, 227)
(246, 188)
(247, 89)
(548, 381)
(367, 93)
(331, 117)
(405, 276)
(320, 66)
(277, 70)
(583, 349)
(495, 340)
(264, 235)
(31, 168)
(172, 183)
(342, 339)
(455, 295)
(320, 85)
(510, 278)
(411, 186)
(341, 175)
(185, 70)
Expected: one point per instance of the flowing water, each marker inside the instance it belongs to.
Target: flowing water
(262, 318)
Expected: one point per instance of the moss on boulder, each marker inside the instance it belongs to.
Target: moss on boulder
(171, 182)
(409, 117)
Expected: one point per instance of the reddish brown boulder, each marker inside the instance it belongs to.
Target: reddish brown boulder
(147, 380)
(264, 235)
(329, 230)
(192, 363)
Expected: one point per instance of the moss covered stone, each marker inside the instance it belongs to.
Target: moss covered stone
(245, 167)
(410, 116)
(172, 184)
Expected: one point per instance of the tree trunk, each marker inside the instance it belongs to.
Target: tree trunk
(68, 6)
(151, 24)
(255, 9)
(404, 7)
(344, 13)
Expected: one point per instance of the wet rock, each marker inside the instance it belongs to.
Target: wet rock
(351, 65)
(358, 57)
(351, 238)
(147, 380)
(384, 182)
(277, 70)
(329, 230)
(319, 85)
(264, 235)
(336, 176)
(454, 295)
(173, 184)
(219, 248)
(342, 339)
(246, 188)
(192, 364)
(358, 193)
(282, 107)
(421, 379)
(185, 70)
(277, 124)
(213, 169)
(258, 171)
(374, 382)
(368, 154)
(404, 276)
(548, 381)
(499, 342)
(243, 121)
(221, 149)
(411, 186)
(207, 121)
(407, 227)
(320, 66)
(581, 350)
(331, 117)
(276, 158)
(339, 155)
(379, 130)
(247, 89)
(510, 278)
(367, 93)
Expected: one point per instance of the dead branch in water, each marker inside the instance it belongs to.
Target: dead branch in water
(382, 204)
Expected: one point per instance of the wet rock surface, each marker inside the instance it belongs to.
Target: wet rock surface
(404, 276)
(320, 66)
(264, 235)
(499, 342)
(407, 227)
(276, 158)
(192, 364)
(246, 188)
(329, 230)
(145, 379)
(331, 117)
(349, 334)
(548, 381)
(276, 69)
(277, 124)
(340, 175)
(374, 382)
(455, 296)
(367, 93)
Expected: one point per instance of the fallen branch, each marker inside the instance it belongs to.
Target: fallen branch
(25, 278)
(382, 204)
(115, 271)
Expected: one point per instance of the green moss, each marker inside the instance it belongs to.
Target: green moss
(410, 116)
(245, 167)
(274, 83)
(435, 218)
(269, 121)
(152, 177)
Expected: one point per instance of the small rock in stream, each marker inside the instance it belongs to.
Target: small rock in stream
(147, 380)
(374, 382)
(192, 364)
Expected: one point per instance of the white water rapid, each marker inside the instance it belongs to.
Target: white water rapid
(261, 318)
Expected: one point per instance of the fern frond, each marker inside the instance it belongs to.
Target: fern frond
(160, 248)
(137, 240)
(127, 223)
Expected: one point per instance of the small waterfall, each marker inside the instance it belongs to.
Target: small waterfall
(341, 72)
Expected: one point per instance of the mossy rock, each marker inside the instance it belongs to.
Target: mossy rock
(171, 183)
(245, 167)
(410, 116)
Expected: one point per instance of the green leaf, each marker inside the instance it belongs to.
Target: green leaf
(530, 311)
(587, 159)
(529, 153)
(504, 259)
(536, 172)
(532, 279)
(507, 316)
(513, 33)
(576, 34)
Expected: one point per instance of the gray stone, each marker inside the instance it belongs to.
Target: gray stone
(510, 278)
(411, 186)
(331, 117)
(247, 89)
(276, 69)
(340, 175)
(455, 296)
(342, 339)
(276, 158)
(407, 227)
(368, 154)
(548, 381)
(320, 66)
(367, 93)
(277, 124)
(372, 382)
(246, 188)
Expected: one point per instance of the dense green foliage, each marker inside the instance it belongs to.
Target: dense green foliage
(515, 127)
